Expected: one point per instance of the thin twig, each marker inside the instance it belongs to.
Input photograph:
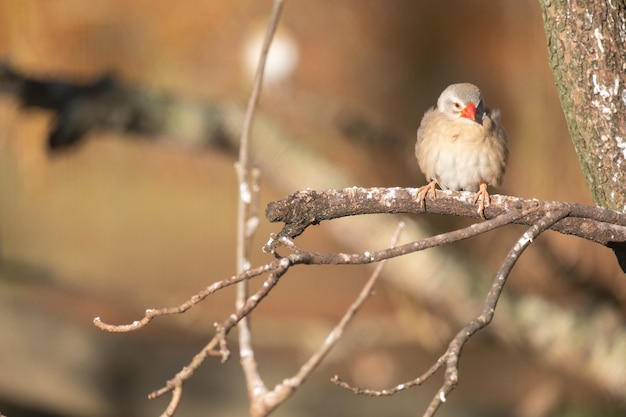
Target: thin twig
(400, 387)
(416, 246)
(177, 394)
(455, 347)
(195, 299)
(246, 352)
(244, 148)
(187, 371)
(218, 341)
(247, 213)
(339, 329)
(270, 400)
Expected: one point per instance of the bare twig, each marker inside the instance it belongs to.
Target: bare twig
(400, 387)
(246, 352)
(453, 352)
(247, 218)
(265, 403)
(195, 299)
(218, 341)
(177, 394)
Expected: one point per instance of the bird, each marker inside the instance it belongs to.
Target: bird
(461, 145)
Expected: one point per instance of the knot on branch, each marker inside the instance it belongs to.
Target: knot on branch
(297, 211)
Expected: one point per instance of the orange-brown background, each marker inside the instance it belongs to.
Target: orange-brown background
(116, 225)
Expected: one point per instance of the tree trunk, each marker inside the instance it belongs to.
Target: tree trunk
(587, 53)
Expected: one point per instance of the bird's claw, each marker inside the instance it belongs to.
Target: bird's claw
(483, 196)
(424, 189)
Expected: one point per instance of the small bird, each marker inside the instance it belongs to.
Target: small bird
(461, 144)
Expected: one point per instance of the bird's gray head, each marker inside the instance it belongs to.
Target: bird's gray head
(462, 101)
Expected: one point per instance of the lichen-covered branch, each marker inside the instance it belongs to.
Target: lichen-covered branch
(310, 207)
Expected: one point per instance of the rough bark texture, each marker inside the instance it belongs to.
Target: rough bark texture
(310, 207)
(587, 53)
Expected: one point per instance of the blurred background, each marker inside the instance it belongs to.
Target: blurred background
(119, 123)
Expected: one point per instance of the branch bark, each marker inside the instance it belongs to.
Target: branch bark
(310, 207)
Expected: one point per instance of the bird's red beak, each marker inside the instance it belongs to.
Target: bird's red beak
(469, 112)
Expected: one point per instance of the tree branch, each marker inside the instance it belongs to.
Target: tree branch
(309, 207)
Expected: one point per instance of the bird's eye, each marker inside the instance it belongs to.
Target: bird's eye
(457, 105)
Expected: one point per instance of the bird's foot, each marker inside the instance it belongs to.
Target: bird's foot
(483, 196)
(424, 189)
